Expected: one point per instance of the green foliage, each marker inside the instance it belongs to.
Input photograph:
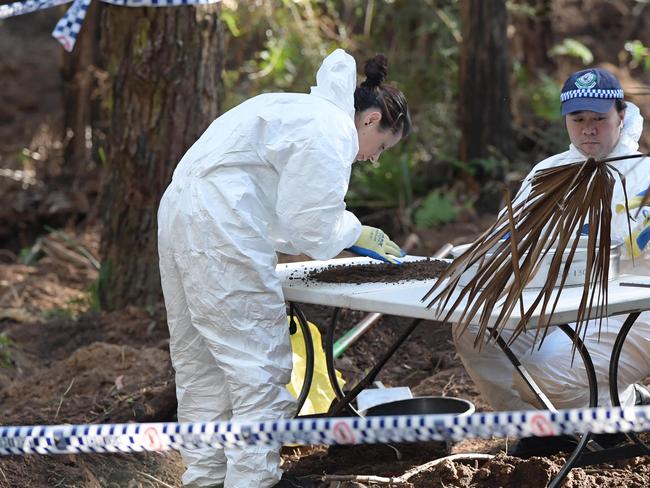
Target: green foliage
(101, 285)
(383, 184)
(282, 46)
(29, 255)
(228, 18)
(491, 167)
(538, 100)
(5, 354)
(101, 154)
(544, 99)
(573, 48)
(522, 9)
(93, 295)
(436, 209)
(640, 54)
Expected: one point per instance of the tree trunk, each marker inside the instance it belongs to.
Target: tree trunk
(164, 68)
(484, 99)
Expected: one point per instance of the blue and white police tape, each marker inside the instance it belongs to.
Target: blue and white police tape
(137, 437)
(20, 8)
(68, 27)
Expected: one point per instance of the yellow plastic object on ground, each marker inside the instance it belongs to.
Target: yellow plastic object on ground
(321, 392)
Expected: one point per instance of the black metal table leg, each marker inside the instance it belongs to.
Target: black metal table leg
(613, 373)
(294, 311)
(593, 393)
(523, 372)
(616, 355)
(343, 401)
(329, 360)
(593, 402)
(329, 354)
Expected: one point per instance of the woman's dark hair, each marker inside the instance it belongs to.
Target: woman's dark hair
(389, 100)
(620, 105)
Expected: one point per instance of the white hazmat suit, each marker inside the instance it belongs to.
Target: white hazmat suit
(269, 175)
(565, 383)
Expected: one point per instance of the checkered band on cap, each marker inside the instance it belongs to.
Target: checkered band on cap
(591, 93)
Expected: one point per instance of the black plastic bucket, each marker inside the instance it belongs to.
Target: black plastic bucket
(423, 406)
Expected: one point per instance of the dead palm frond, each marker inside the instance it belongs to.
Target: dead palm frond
(544, 229)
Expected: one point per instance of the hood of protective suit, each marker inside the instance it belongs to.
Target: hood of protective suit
(336, 81)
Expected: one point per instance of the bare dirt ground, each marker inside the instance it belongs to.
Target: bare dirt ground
(62, 362)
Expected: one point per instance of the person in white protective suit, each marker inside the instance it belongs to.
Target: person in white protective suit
(269, 175)
(600, 124)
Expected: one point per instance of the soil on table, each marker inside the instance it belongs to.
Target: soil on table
(379, 273)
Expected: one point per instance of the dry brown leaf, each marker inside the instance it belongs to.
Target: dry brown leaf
(561, 201)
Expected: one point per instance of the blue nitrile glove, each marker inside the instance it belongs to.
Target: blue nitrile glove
(375, 244)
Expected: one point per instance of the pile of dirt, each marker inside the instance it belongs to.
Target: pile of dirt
(509, 472)
(63, 363)
(399, 465)
(378, 272)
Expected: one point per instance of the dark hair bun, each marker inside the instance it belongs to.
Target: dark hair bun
(376, 69)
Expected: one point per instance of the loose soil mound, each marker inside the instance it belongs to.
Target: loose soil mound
(510, 472)
(379, 273)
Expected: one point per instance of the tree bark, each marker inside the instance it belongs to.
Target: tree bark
(164, 69)
(484, 101)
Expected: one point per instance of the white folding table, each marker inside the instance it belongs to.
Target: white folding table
(405, 299)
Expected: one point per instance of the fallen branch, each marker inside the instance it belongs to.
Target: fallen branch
(152, 478)
(74, 244)
(360, 478)
(449, 385)
(59, 251)
(471, 456)
(404, 479)
(61, 399)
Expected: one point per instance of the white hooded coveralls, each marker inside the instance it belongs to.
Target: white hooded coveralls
(551, 366)
(269, 175)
